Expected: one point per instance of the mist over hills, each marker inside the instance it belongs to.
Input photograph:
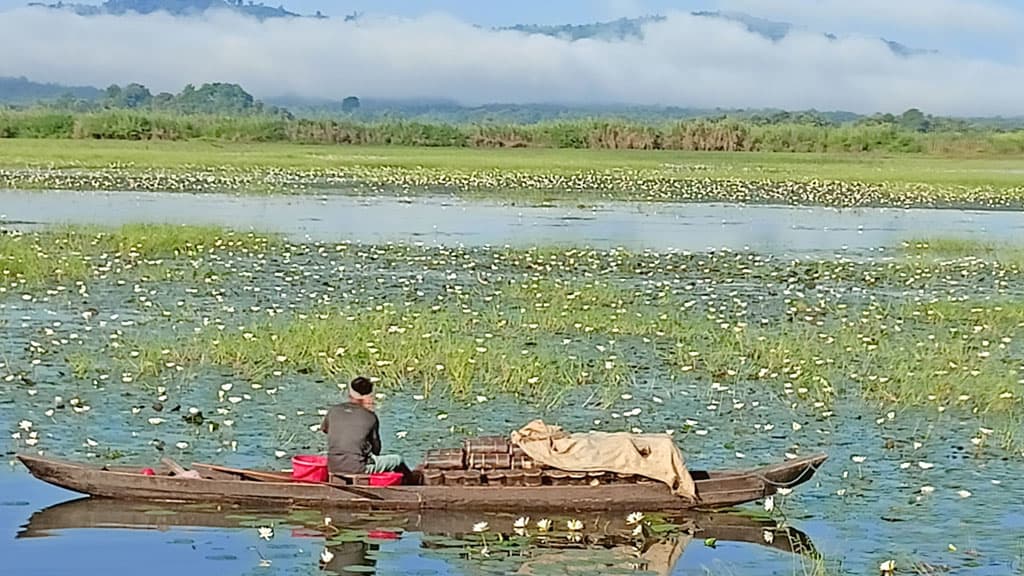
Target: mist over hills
(677, 61)
(621, 29)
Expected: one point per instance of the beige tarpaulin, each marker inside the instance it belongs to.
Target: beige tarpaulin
(655, 456)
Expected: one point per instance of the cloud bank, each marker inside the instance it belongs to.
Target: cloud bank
(957, 15)
(682, 61)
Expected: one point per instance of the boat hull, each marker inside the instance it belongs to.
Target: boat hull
(714, 490)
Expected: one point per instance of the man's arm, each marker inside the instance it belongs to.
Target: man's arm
(375, 437)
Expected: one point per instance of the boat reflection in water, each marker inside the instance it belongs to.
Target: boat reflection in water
(358, 539)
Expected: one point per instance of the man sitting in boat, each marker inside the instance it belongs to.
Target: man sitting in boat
(353, 435)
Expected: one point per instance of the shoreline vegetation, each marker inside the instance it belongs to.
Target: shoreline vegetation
(516, 175)
(722, 134)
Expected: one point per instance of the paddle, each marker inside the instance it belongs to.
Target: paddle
(178, 469)
(278, 477)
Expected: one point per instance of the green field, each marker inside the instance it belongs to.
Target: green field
(903, 168)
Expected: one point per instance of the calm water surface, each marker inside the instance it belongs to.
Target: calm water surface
(655, 226)
(856, 514)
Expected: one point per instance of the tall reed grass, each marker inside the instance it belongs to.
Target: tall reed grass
(724, 135)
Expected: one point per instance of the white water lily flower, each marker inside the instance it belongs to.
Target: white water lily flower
(280, 453)
(265, 532)
(769, 504)
(574, 525)
(181, 445)
(401, 434)
(925, 465)
(481, 527)
(768, 536)
(927, 489)
(156, 421)
(91, 443)
(858, 459)
(25, 425)
(887, 567)
(521, 522)
(543, 524)
(784, 491)
(964, 493)
(327, 520)
(638, 530)
(326, 556)
(635, 518)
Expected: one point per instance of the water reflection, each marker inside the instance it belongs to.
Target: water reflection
(359, 542)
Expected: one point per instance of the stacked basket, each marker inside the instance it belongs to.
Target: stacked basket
(494, 461)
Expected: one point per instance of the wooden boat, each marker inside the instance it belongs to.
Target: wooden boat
(715, 489)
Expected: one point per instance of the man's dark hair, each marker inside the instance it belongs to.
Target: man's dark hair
(361, 385)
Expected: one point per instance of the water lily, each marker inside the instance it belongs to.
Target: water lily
(768, 536)
(327, 520)
(635, 518)
(25, 425)
(481, 527)
(326, 556)
(964, 493)
(769, 504)
(574, 525)
(544, 524)
(887, 567)
(265, 532)
(521, 522)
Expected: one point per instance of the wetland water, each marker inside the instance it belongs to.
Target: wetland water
(904, 482)
(633, 225)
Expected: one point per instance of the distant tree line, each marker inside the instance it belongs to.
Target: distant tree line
(138, 118)
(217, 98)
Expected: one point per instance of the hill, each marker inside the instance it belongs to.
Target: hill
(21, 90)
(174, 7)
(627, 28)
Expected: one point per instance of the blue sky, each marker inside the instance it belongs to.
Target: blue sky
(437, 50)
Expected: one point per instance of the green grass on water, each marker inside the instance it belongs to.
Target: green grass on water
(910, 332)
(63, 253)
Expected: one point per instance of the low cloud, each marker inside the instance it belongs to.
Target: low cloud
(983, 16)
(682, 61)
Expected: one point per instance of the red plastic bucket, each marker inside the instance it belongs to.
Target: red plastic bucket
(309, 468)
(386, 479)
